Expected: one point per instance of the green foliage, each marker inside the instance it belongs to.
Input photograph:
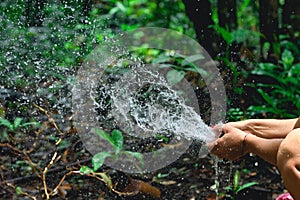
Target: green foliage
(236, 187)
(280, 96)
(16, 124)
(116, 139)
(85, 170)
(179, 64)
(98, 159)
(235, 114)
(18, 190)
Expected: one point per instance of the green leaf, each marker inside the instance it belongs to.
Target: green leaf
(174, 76)
(243, 7)
(18, 190)
(291, 80)
(192, 58)
(162, 58)
(98, 159)
(236, 180)
(160, 175)
(226, 35)
(137, 155)
(266, 97)
(264, 68)
(104, 136)
(262, 109)
(118, 140)
(295, 70)
(106, 179)
(198, 70)
(30, 124)
(287, 58)
(228, 188)
(17, 122)
(113, 11)
(246, 185)
(265, 49)
(85, 170)
(167, 66)
(121, 6)
(5, 122)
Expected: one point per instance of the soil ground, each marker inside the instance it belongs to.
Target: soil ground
(189, 177)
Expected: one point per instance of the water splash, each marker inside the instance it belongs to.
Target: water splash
(145, 104)
(115, 89)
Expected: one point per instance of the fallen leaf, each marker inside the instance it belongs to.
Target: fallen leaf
(138, 186)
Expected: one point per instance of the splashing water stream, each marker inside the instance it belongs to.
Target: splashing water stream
(138, 99)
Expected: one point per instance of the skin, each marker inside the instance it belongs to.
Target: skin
(276, 141)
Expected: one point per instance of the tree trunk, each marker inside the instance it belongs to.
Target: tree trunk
(227, 14)
(228, 19)
(268, 17)
(199, 12)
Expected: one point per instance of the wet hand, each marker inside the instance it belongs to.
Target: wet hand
(230, 145)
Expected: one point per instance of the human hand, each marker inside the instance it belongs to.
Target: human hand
(230, 145)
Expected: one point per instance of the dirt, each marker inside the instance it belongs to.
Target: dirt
(190, 177)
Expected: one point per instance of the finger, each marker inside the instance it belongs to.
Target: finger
(215, 150)
(213, 144)
(227, 128)
(217, 129)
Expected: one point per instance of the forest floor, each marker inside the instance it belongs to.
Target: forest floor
(189, 177)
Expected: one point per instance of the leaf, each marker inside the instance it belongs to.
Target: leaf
(192, 58)
(30, 124)
(228, 188)
(98, 159)
(291, 80)
(262, 109)
(264, 68)
(295, 69)
(162, 58)
(246, 185)
(118, 140)
(104, 136)
(226, 35)
(287, 58)
(107, 180)
(167, 66)
(241, 35)
(136, 186)
(18, 190)
(243, 7)
(198, 70)
(174, 76)
(17, 122)
(265, 49)
(236, 180)
(160, 175)
(121, 6)
(266, 97)
(113, 11)
(5, 122)
(137, 155)
(85, 170)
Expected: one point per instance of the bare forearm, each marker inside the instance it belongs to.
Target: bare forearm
(267, 128)
(265, 148)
